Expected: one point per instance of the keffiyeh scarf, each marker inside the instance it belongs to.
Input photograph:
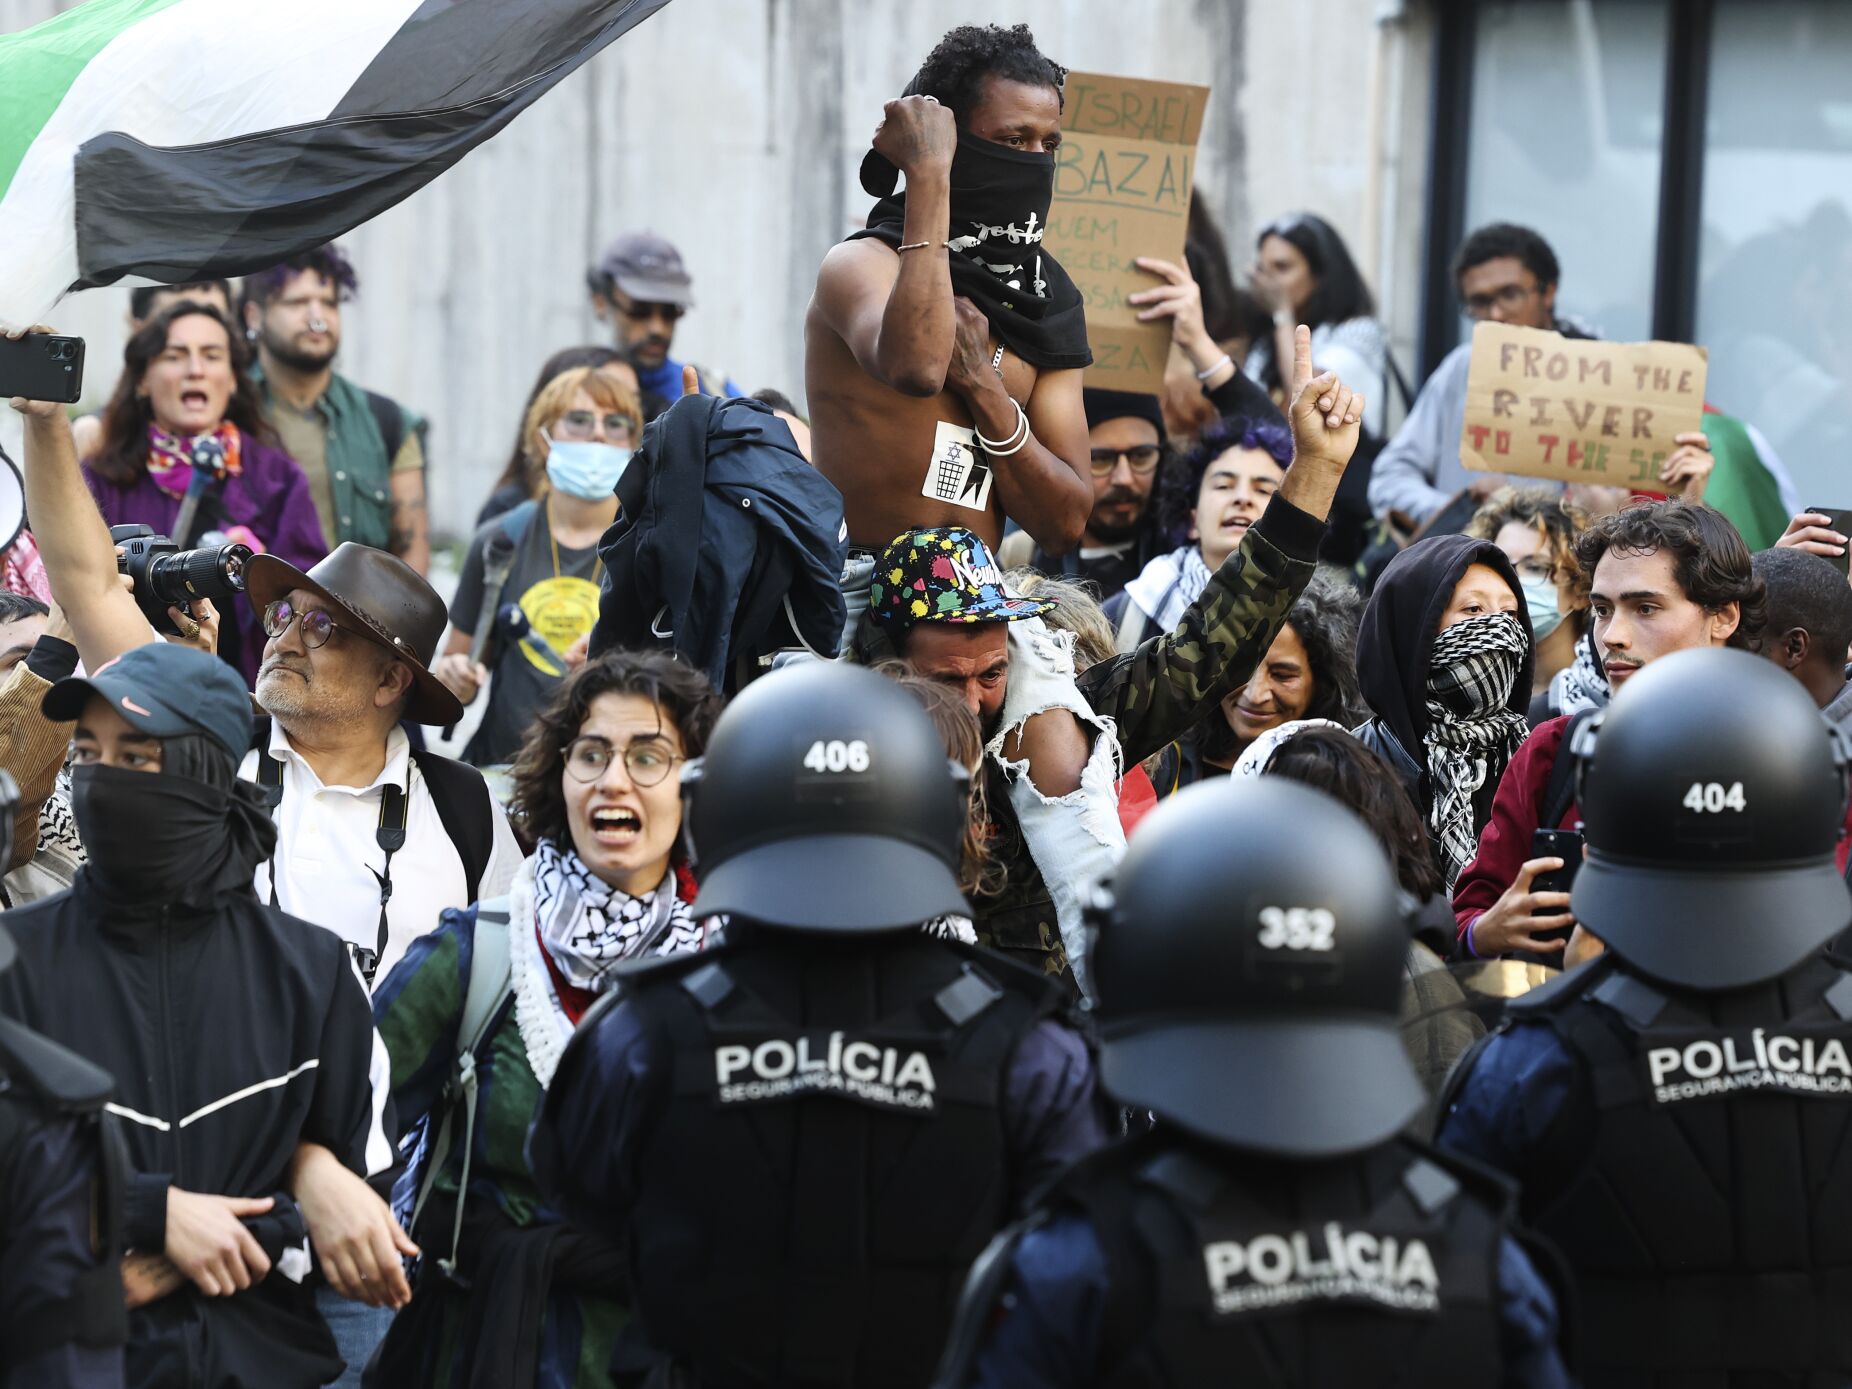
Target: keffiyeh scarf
(1580, 685)
(588, 926)
(1472, 731)
(1165, 588)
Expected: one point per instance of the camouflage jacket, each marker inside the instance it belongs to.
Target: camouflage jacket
(1155, 694)
(1167, 685)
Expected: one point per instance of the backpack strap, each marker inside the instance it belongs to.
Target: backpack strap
(390, 421)
(517, 519)
(491, 986)
(467, 810)
(1559, 791)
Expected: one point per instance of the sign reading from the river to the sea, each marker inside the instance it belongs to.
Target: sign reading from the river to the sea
(1578, 410)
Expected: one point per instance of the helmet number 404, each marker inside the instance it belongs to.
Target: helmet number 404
(835, 755)
(1711, 797)
(1297, 928)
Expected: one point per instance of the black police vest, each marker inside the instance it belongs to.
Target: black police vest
(1226, 1269)
(832, 1156)
(1710, 1229)
(41, 1082)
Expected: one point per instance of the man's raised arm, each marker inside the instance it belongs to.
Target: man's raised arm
(80, 559)
(895, 310)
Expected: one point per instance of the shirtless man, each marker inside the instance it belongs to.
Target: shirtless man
(898, 364)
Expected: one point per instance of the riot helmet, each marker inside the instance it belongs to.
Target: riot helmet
(1712, 797)
(1248, 962)
(826, 802)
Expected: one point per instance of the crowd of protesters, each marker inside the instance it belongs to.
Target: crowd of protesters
(326, 1059)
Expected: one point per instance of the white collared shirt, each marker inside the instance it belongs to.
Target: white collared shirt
(328, 852)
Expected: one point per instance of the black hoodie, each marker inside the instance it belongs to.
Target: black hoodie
(1396, 642)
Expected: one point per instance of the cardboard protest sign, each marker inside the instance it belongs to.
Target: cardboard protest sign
(1122, 190)
(1576, 410)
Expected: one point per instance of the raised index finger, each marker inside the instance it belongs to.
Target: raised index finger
(1302, 358)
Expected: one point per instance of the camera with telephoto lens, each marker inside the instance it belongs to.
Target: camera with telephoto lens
(165, 576)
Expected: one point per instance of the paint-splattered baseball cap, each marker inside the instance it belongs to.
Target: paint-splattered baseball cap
(945, 574)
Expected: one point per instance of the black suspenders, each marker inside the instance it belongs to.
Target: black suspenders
(390, 837)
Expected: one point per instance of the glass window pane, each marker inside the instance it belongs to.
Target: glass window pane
(1775, 269)
(1567, 109)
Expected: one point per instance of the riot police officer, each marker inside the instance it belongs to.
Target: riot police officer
(1678, 1110)
(806, 1135)
(62, 1318)
(1273, 1228)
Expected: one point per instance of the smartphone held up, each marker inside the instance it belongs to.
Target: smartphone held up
(41, 366)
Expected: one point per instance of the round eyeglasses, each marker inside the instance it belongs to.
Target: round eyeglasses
(577, 426)
(1142, 459)
(647, 762)
(317, 626)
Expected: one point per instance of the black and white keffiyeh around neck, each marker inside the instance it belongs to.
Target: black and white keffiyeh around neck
(1581, 684)
(589, 927)
(1472, 730)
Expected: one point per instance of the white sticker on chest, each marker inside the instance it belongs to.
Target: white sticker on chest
(958, 473)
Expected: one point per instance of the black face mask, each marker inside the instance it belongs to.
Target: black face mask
(155, 834)
(1000, 201)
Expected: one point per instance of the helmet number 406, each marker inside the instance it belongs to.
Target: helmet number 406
(835, 755)
(1711, 797)
(1297, 928)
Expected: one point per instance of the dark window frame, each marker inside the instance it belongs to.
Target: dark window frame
(1681, 172)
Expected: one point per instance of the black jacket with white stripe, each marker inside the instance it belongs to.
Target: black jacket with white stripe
(234, 1032)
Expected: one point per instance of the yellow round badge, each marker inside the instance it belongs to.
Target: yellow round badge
(560, 611)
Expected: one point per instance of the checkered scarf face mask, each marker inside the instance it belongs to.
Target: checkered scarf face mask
(1472, 730)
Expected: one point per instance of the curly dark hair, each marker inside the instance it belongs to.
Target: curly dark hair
(1500, 239)
(1339, 765)
(1177, 486)
(680, 691)
(122, 456)
(955, 70)
(1807, 592)
(1324, 618)
(1709, 559)
(330, 262)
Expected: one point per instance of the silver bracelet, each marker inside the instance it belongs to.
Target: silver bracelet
(1018, 437)
(1223, 361)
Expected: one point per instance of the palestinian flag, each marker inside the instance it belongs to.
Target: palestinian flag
(1747, 483)
(175, 140)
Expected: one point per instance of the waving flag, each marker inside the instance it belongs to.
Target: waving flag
(176, 140)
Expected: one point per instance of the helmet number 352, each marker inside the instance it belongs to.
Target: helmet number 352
(1297, 928)
(1712, 798)
(835, 755)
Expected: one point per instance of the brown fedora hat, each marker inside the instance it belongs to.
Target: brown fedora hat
(379, 595)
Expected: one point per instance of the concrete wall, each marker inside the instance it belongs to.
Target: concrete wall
(734, 127)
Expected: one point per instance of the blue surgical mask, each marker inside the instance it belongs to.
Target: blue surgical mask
(586, 469)
(1540, 599)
